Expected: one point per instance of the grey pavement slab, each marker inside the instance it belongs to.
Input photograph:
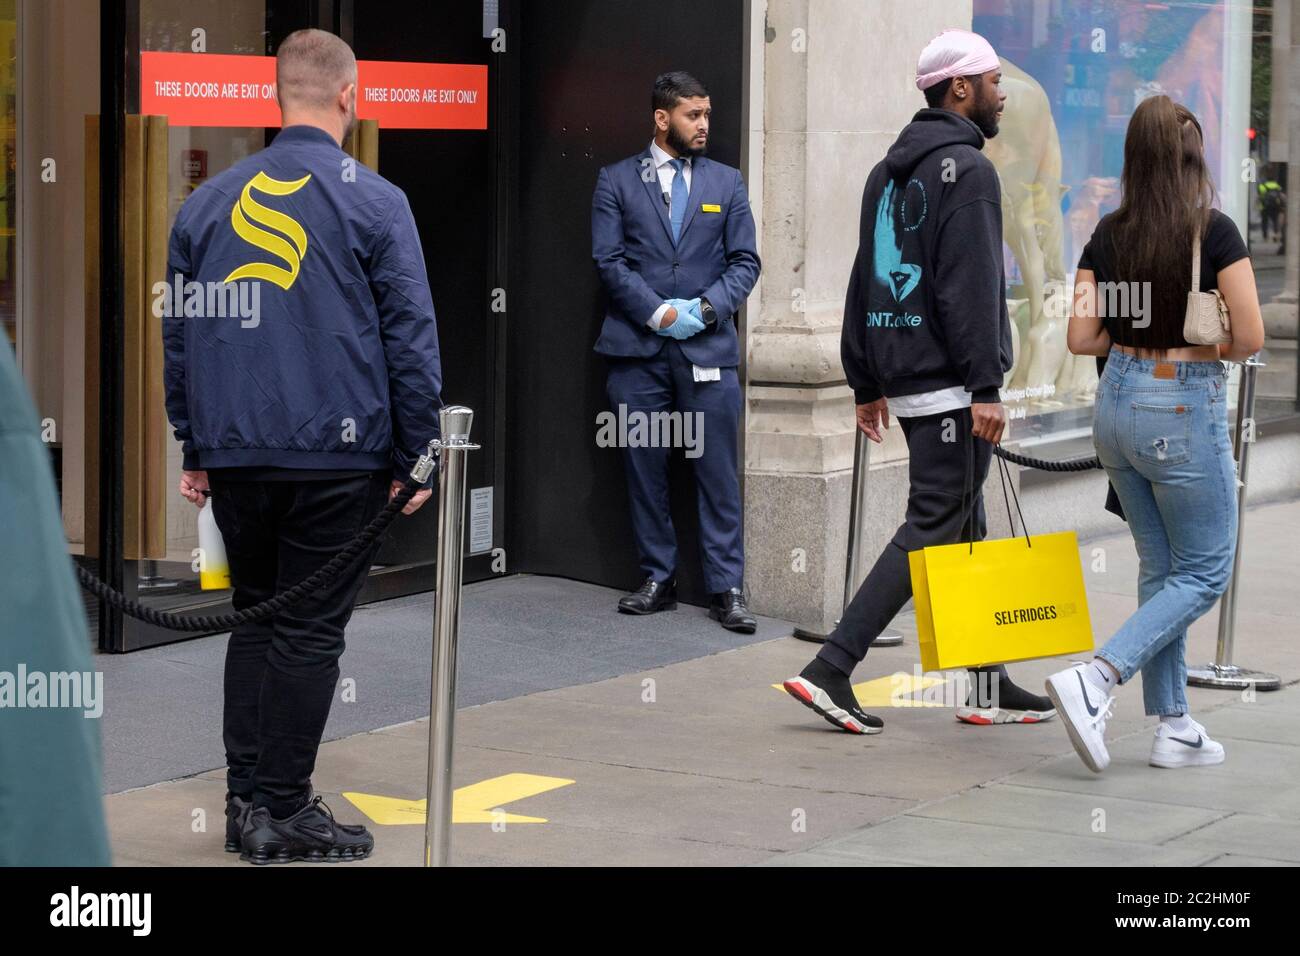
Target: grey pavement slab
(1259, 722)
(1256, 778)
(1243, 833)
(178, 823)
(1237, 859)
(1072, 814)
(916, 840)
(818, 858)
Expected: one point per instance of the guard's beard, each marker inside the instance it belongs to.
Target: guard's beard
(681, 146)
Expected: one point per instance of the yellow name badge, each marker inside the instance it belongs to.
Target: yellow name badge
(710, 207)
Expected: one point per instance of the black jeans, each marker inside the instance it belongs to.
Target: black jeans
(941, 454)
(281, 673)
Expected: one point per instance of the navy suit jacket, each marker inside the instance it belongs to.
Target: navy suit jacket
(715, 258)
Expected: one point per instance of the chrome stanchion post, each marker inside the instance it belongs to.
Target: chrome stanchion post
(855, 570)
(856, 567)
(1222, 672)
(455, 423)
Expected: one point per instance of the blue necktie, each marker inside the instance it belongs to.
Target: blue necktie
(677, 211)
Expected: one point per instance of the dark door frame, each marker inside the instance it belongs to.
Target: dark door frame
(117, 23)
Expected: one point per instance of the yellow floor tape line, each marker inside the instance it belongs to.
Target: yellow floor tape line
(897, 690)
(478, 803)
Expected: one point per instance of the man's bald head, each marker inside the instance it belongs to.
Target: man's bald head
(313, 69)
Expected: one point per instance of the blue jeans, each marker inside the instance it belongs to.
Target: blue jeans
(1164, 443)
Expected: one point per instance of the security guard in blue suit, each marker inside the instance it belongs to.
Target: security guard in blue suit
(301, 419)
(673, 240)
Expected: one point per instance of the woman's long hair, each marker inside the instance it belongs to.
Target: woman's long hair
(1165, 194)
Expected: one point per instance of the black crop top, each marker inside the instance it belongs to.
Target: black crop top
(1221, 246)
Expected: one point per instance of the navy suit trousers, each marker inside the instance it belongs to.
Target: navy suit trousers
(664, 383)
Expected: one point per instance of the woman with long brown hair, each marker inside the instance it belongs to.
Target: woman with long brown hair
(1160, 426)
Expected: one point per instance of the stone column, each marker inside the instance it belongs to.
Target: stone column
(837, 78)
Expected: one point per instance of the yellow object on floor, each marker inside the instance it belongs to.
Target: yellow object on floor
(478, 803)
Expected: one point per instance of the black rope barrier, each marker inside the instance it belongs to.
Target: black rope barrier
(1078, 464)
(321, 578)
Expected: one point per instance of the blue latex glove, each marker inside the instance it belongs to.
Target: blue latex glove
(689, 321)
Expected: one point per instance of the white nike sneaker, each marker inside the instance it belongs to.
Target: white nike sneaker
(1192, 748)
(1084, 712)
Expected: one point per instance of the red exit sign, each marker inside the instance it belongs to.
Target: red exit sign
(217, 89)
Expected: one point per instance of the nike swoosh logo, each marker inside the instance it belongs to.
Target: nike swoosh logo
(1199, 740)
(320, 833)
(1092, 711)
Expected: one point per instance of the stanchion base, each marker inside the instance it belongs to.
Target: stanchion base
(1232, 677)
(811, 636)
(888, 637)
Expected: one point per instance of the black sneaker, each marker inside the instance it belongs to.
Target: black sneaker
(310, 835)
(994, 699)
(827, 691)
(237, 810)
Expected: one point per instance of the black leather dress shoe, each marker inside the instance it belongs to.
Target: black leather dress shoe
(728, 608)
(650, 597)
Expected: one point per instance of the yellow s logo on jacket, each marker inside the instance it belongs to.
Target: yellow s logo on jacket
(247, 211)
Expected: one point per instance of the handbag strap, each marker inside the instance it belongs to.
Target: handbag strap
(1196, 259)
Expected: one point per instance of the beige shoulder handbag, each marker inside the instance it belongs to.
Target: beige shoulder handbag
(1206, 321)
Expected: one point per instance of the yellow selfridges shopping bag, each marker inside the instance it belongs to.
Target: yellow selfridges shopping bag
(998, 601)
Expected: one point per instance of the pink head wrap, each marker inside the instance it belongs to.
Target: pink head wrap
(954, 53)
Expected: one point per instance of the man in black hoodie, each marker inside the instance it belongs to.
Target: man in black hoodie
(926, 331)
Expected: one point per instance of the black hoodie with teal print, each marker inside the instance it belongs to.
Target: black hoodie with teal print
(926, 306)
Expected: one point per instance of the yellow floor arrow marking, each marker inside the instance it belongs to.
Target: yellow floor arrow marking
(476, 803)
(897, 690)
